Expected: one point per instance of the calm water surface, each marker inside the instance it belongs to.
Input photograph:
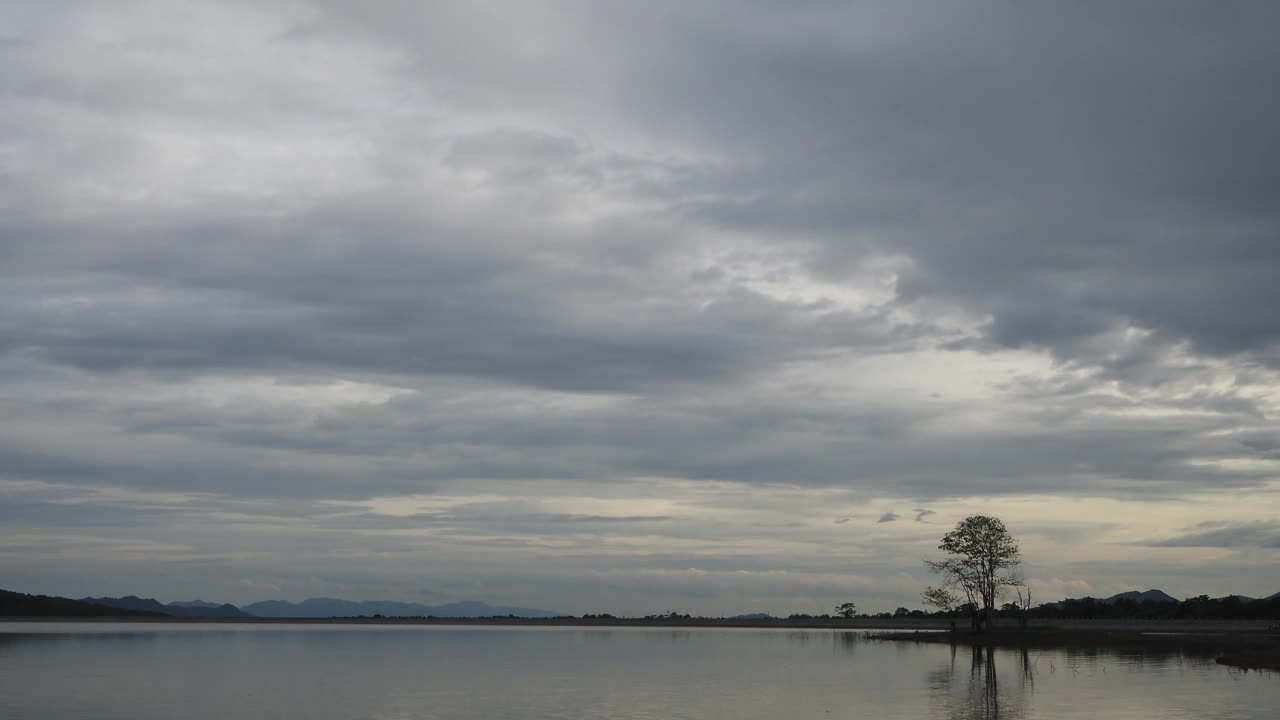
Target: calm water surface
(60, 671)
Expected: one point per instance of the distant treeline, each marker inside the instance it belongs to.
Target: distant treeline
(1197, 608)
(1202, 607)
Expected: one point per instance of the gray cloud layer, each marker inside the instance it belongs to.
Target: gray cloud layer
(325, 253)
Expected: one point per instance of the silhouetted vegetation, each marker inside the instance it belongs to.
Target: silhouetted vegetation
(1201, 607)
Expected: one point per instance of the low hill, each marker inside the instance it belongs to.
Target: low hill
(191, 609)
(200, 608)
(196, 604)
(333, 607)
(1142, 596)
(15, 604)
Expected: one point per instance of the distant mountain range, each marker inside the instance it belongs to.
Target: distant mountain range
(14, 604)
(191, 608)
(332, 607)
(197, 604)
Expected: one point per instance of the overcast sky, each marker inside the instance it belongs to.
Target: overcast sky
(636, 306)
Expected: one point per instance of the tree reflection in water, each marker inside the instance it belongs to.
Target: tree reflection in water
(978, 693)
(848, 642)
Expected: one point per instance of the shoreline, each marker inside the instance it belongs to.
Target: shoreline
(1003, 626)
(1247, 649)
(782, 623)
(1248, 645)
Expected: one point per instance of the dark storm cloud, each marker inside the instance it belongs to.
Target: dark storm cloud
(1036, 165)
(1066, 173)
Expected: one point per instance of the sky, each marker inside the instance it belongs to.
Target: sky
(636, 307)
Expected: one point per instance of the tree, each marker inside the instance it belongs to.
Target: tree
(941, 598)
(983, 561)
(847, 610)
(1023, 607)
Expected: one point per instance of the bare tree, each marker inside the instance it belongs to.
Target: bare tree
(983, 561)
(1024, 606)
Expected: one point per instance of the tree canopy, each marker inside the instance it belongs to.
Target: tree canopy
(983, 561)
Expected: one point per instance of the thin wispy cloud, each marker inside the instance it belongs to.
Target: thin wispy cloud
(1226, 535)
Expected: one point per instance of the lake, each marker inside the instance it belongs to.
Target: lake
(142, 671)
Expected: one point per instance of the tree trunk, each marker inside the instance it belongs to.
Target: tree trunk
(984, 620)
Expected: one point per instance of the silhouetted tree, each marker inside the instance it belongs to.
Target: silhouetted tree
(984, 560)
(946, 601)
(846, 610)
(941, 598)
(1023, 607)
